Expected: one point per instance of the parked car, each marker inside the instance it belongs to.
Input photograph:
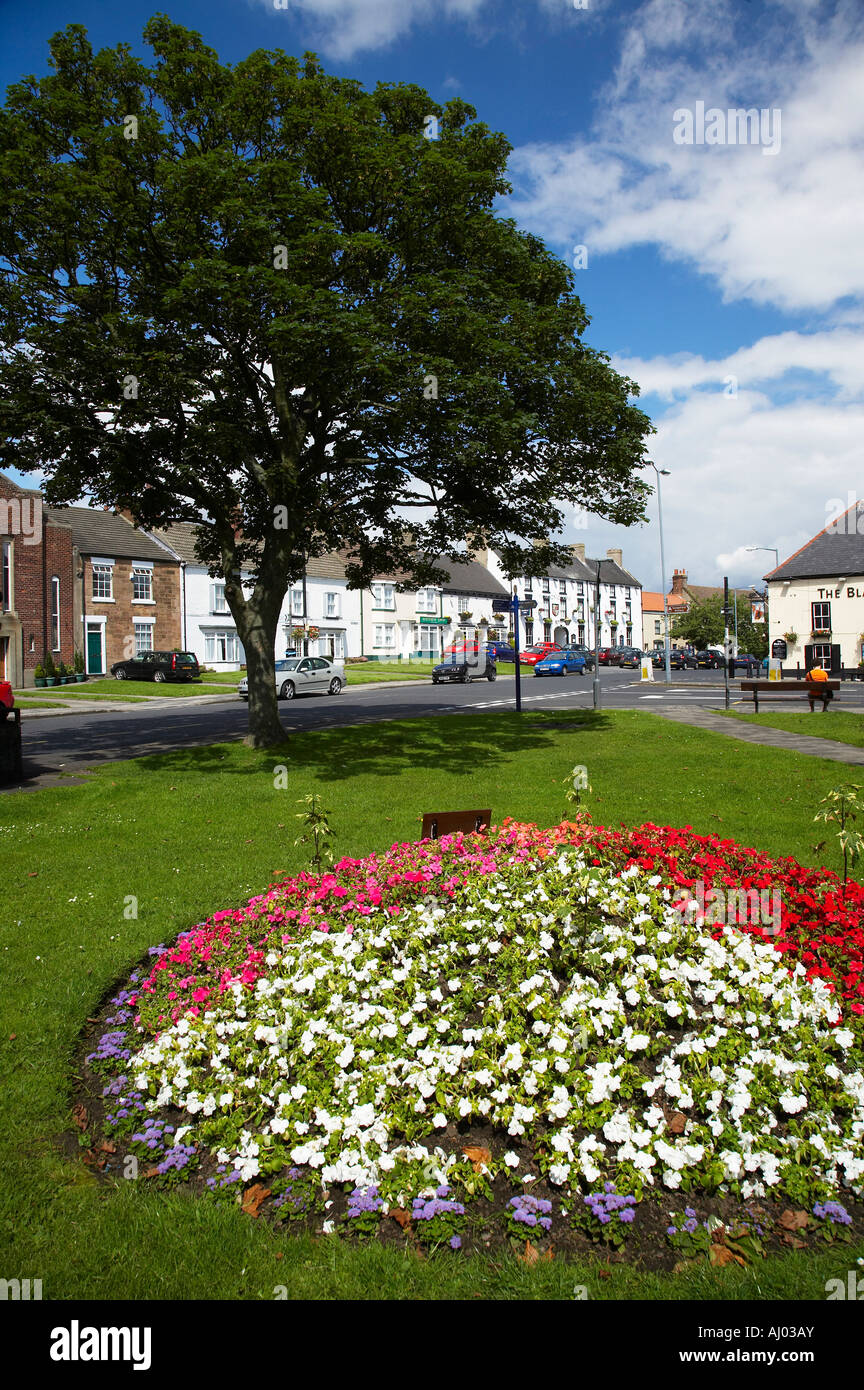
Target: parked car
(158, 666)
(628, 656)
(745, 662)
(681, 661)
(711, 661)
(561, 663)
(463, 671)
(501, 651)
(605, 656)
(532, 655)
(303, 675)
(584, 651)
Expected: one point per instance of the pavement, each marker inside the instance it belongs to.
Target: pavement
(761, 733)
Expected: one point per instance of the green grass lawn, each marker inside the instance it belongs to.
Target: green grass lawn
(123, 690)
(844, 726)
(178, 836)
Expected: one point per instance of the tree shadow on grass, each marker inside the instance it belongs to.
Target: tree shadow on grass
(444, 743)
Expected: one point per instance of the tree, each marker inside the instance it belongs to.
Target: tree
(702, 625)
(266, 299)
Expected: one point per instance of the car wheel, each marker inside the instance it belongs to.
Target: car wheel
(492, 675)
(463, 679)
(120, 674)
(335, 686)
(436, 680)
(159, 676)
(287, 691)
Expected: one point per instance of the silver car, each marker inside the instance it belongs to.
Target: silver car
(303, 675)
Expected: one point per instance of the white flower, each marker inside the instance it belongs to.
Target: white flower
(511, 1159)
(439, 1120)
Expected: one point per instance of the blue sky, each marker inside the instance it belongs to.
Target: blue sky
(725, 275)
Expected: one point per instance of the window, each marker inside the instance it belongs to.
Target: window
(385, 635)
(218, 602)
(331, 604)
(657, 627)
(222, 646)
(103, 581)
(142, 584)
(545, 587)
(562, 589)
(822, 654)
(383, 596)
(821, 617)
(55, 614)
(297, 603)
(6, 577)
(580, 588)
(143, 638)
(427, 600)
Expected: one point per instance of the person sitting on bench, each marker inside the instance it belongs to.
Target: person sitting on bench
(816, 688)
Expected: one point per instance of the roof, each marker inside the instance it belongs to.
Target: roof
(106, 533)
(611, 572)
(838, 549)
(699, 592)
(180, 536)
(470, 577)
(653, 601)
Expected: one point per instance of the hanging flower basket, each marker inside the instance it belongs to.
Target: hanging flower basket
(821, 632)
(313, 634)
(298, 633)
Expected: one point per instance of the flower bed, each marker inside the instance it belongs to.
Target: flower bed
(427, 1032)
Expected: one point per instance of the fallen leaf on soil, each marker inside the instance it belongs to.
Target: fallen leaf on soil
(793, 1220)
(605, 1273)
(106, 1147)
(532, 1254)
(478, 1157)
(677, 1123)
(401, 1215)
(80, 1115)
(721, 1255)
(12, 1037)
(683, 1265)
(151, 1172)
(253, 1198)
(279, 1254)
(794, 1241)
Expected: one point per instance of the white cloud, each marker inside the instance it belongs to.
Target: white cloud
(784, 229)
(342, 28)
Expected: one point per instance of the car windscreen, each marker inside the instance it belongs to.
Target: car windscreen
(186, 659)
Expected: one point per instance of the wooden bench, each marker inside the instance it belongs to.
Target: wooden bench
(809, 690)
(438, 823)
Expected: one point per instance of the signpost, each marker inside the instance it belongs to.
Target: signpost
(727, 661)
(514, 606)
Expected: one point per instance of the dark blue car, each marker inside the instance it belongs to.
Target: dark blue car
(501, 651)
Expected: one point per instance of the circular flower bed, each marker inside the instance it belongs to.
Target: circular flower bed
(541, 1028)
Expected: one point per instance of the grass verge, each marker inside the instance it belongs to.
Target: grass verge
(842, 726)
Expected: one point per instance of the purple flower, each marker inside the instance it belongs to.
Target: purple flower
(455, 1242)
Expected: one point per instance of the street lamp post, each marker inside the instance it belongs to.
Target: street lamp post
(772, 550)
(596, 682)
(664, 472)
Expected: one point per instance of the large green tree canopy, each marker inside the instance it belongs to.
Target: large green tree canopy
(703, 624)
(265, 299)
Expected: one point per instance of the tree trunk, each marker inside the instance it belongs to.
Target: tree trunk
(256, 628)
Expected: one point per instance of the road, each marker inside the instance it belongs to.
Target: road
(56, 748)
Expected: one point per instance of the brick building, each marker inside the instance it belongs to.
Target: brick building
(36, 584)
(127, 591)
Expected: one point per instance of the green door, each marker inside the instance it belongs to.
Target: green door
(94, 651)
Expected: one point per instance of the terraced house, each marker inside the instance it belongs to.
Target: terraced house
(127, 594)
(36, 584)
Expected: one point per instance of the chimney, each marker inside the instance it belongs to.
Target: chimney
(578, 551)
(613, 553)
(679, 579)
(478, 545)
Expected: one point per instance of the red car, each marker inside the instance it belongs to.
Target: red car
(605, 656)
(532, 655)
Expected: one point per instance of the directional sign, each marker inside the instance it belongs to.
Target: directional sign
(501, 605)
(528, 603)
